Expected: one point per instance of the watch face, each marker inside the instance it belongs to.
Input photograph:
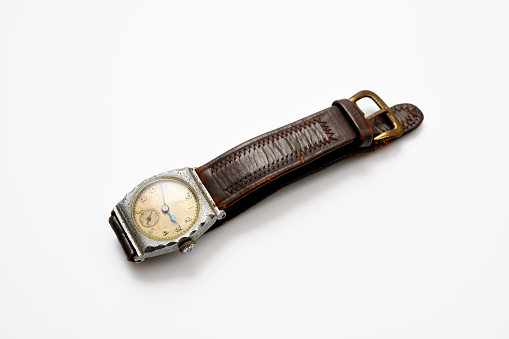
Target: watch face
(165, 209)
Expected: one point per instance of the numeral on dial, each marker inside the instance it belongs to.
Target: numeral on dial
(178, 228)
(143, 198)
(152, 189)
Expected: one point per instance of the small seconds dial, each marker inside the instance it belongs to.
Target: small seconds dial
(149, 218)
(165, 209)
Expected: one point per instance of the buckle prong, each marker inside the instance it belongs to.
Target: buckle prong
(398, 126)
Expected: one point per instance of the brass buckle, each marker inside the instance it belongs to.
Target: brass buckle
(398, 126)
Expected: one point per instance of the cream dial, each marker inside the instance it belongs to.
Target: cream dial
(165, 209)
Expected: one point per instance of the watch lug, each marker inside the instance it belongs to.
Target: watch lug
(219, 213)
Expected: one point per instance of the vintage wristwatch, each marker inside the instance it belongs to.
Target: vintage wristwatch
(169, 211)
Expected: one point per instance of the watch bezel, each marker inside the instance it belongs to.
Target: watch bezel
(145, 246)
(147, 183)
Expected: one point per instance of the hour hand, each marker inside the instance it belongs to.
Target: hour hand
(172, 217)
(166, 209)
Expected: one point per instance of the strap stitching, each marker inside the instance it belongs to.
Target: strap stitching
(276, 164)
(271, 139)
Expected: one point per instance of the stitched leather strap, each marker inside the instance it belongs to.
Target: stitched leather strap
(262, 165)
(248, 166)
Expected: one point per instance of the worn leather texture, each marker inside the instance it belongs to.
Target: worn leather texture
(254, 163)
(255, 169)
(122, 237)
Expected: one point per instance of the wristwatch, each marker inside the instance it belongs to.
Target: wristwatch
(170, 211)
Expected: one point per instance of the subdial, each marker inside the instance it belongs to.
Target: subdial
(149, 218)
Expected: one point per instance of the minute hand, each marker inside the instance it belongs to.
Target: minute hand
(162, 193)
(166, 209)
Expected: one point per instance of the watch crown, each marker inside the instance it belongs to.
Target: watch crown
(187, 246)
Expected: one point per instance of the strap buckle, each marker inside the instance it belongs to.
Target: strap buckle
(398, 126)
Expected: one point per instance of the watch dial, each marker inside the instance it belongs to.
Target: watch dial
(165, 209)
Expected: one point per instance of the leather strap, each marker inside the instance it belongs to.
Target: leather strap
(365, 132)
(250, 165)
(246, 174)
(122, 237)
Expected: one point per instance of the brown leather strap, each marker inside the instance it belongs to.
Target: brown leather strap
(122, 237)
(262, 165)
(365, 132)
(246, 167)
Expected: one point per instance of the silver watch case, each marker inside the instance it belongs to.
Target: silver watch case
(146, 247)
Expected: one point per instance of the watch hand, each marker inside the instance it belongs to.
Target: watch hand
(165, 207)
(172, 217)
(166, 210)
(162, 192)
(149, 217)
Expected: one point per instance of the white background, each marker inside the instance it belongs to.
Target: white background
(411, 241)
